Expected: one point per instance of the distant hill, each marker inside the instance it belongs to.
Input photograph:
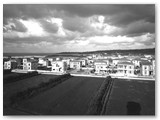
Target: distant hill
(80, 54)
(132, 51)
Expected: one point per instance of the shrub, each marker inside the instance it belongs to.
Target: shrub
(37, 89)
(97, 102)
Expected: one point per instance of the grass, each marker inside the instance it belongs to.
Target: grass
(32, 91)
(16, 77)
(71, 97)
(139, 92)
(97, 103)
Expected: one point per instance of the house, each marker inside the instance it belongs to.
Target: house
(154, 66)
(101, 67)
(136, 61)
(125, 69)
(59, 66)
(107, 60)
(76, 64)
(67, 60)
(146, 68)
(30, 64)
(11, 64)
(115, 61)
(83, 60)
(90, 62)
(19, 63)
(58, 58)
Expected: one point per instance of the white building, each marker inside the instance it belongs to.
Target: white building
(84, 62)
(147, 69)
(136, 61)
(59, 66)
(76, 64)
(30, 64)
(67, 61)
(115, 61)
(154, 67)
(125, 69)
(11, 64)
(101, 67)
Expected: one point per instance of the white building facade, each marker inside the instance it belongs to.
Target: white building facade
(76, 64)
(125, 69)
(59, 66)
(101, 67)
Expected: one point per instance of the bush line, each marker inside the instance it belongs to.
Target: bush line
(20, 76)
(96, 104)
(30, 92)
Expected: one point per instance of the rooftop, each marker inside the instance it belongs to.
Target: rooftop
(100, 61)
(146, 63)
(125, 63)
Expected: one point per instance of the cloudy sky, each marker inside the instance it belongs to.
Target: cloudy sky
(72, 28)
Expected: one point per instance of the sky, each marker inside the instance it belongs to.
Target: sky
(53, 28)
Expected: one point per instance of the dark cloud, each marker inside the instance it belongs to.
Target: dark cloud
(19, 26)
(76, 24)
(25, 11)
(126, 20)
(136, 28)
(48, 26)
(15, 26)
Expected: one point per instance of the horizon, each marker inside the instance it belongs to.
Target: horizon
(56, 28)
(83, 52)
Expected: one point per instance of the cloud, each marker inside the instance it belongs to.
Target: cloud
(15, 25)
(49, 26)
(136, 28)
(73, 27)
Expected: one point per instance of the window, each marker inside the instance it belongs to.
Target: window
(130, 67)
(145, 72)
(120, 66)
(57, 65)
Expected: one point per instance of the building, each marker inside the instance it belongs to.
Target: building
(136, 61)
(19, 63)
(101, 67)
(90, 62)
(76, 64)
(11, 64)
(125, 69)
(67, 60)
(84, 62)
(59, 66)
(115, 61)
(30, 64)
(154, 66)
(146, 68)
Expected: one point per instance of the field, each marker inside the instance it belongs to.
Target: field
(5, 76)
(11, 88)
(72, 97)
(142, 93)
